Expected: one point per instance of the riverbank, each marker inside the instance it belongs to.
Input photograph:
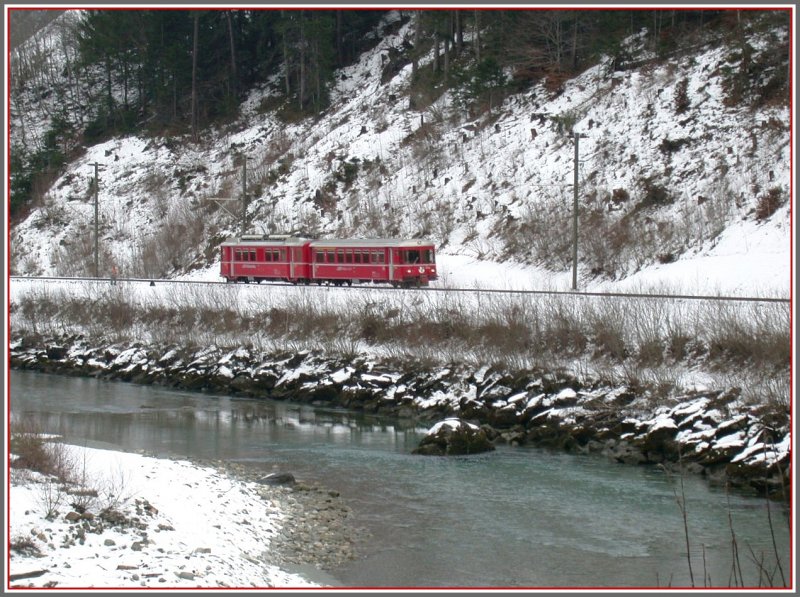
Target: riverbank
(132, 521)
(712, 432)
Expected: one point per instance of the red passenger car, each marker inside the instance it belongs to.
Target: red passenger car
(256, 257)
(400, 262)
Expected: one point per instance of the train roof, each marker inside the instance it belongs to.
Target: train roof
(371, 242)
(266, 240)
(331, 243)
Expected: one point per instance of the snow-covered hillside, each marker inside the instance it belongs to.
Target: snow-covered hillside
(669, 197)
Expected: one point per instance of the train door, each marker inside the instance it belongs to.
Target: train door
(225, 262)
(296, 266)
(392, 261)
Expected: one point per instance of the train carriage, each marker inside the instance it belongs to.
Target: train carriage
(255, 258)
(408, 262)
(400, 262)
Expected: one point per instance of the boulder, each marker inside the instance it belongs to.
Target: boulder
(277, 479)
(453, 437)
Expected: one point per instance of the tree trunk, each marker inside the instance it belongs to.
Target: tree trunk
(477, 36)
(339, 55)
(446, 58)
(302, 83)
(234, 77)
(287, 69)
(459, 33)
(435, 51)
(125, 75)
(194, 74)
(109, 92)
(575, 44)
(415, 51)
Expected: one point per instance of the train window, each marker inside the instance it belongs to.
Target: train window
(357, 256)
(320, 257)
(411, 257)
(427, 256)
(282, 255)
(276, 255)
(340, 256)
(252, 254)
(348, 256)
(381, 257)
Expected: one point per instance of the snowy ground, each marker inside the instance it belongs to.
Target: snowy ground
(197, 527)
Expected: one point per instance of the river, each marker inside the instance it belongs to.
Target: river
(515, 517)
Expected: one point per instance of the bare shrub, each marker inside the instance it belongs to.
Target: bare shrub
(50, 495)
(756, 334)
(33, 452)
(82, 495)
(347, 348)
(115, 312)
(681, 100)
(167, 250)
(24, 545)
(564, 332)
(114, 490)
(606, 325)
(75, 255)
(768, 203)
(35, 310)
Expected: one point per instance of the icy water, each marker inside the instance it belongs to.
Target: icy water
(516, 517)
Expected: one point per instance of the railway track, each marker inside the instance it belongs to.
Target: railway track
(356, 288)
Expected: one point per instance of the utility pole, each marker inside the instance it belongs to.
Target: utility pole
(96, 226)
(575, 217)
(244, 194)
(220, 201)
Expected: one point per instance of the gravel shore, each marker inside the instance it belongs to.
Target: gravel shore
(318, 533)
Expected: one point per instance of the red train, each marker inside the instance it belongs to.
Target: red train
(400, 262)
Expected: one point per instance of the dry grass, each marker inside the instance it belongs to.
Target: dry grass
(644, 337)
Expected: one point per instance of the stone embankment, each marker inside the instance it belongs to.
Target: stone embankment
(710, 432)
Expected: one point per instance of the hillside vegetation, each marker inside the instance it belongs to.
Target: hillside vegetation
(454, 125)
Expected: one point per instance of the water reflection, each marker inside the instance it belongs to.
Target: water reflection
(514, 517)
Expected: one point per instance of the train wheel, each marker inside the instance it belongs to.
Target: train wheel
(349, 282)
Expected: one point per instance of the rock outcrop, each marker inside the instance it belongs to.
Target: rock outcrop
(454, 437)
